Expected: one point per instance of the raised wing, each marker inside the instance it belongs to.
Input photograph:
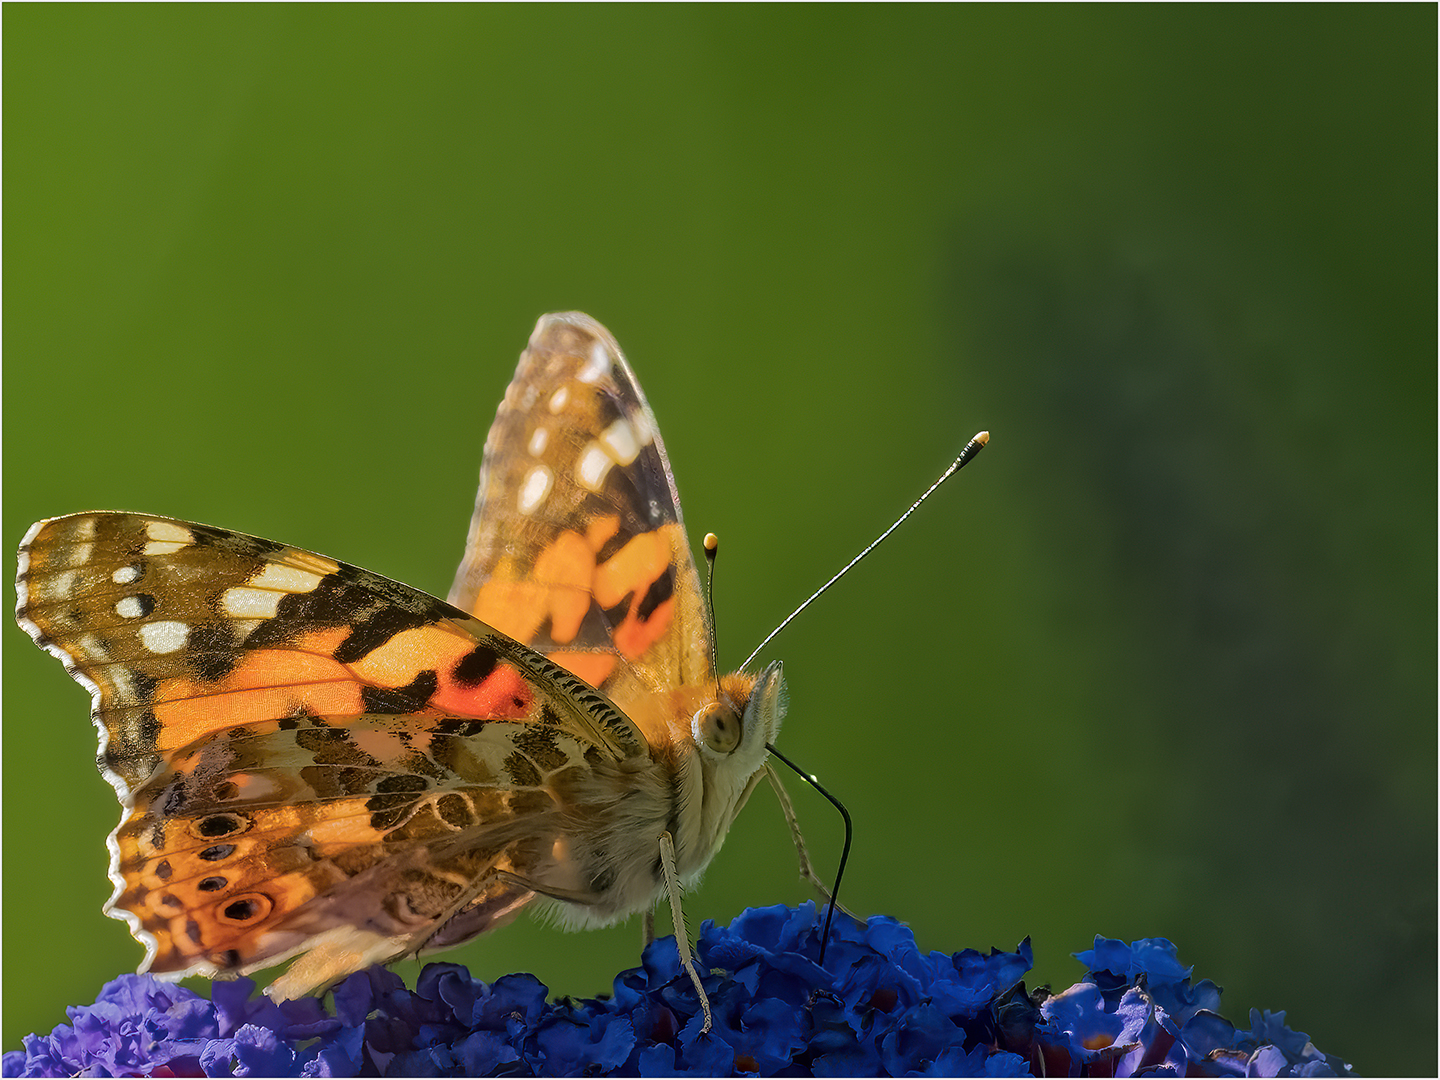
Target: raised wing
(309, 756)
(577, 547)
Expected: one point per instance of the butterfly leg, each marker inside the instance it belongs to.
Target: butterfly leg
(647, 929)
(682, 940)
(807, 872)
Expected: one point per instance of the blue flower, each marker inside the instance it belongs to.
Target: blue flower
(878, 1006)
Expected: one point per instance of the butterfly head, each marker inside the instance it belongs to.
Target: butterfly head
(732, 729)
(730, 732)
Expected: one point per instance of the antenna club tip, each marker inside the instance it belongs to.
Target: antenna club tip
(982, 438)
(712, 543)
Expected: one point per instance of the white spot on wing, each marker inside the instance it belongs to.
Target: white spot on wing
(598, 366)
(60, 587)
(558, 399)
(644, 430)
(126, 575)
(592, 467)
(122, 687)
(284, 578)
(619, 439)
(166, 537)
(242, 603)
(169, 531)
(80, 554)
(538, 441)
(535, 489)
(130, 608)
(89, 648)
(164, 637)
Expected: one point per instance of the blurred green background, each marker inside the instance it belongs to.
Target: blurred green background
(1162, 662)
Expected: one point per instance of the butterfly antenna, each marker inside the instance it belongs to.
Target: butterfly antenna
(712, 548)
(973, 447)
(844, 852)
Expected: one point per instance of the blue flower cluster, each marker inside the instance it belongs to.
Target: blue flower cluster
(879, 1007)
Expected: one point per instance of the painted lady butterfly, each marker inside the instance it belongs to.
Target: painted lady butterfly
(314, 759)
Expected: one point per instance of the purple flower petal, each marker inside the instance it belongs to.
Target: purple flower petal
(878, 1006)
(261, 1052)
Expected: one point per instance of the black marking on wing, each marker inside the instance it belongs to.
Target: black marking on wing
(660, 590)
(612, 547)
(333, 746)
(476, 665)
(211, 651)
(520, 771)
(615, 615)
(540, 746)
(403, 699)
(374, 607)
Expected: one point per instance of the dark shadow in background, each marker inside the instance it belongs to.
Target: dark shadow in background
(1271, 611)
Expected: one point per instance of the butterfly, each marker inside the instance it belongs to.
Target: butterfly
(315, 761)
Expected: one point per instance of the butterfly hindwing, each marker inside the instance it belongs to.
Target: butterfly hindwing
(305, 752)
(577, 547)
(271, 836)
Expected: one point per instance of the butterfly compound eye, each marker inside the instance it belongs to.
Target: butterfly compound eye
(717, 726)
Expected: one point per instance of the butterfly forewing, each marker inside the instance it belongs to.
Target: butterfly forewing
(299, 744)
(577, 547)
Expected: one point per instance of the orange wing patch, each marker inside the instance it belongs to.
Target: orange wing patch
(569, 583)
(565, 569)
(269, 684)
